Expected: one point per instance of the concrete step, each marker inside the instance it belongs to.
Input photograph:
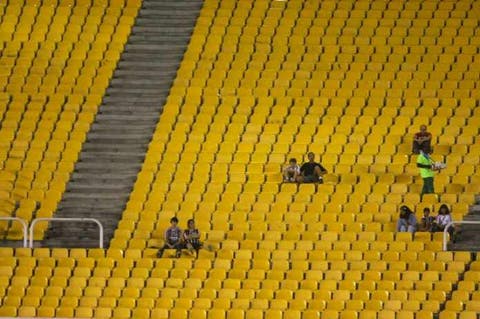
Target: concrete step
(131, 57)
(137, 90)
(168, 6)
(136, 99)
(156, 66)
(87, 207)
(84, 188)
(146, 80)
(93, 167)
(100, 158)
(94, 196)
(161, 36)
(154, 47)
(90, 146)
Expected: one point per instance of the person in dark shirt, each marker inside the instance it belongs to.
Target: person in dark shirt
(422, 141)
(173, 239)
(311, 172)
(427, 222)
(191, 237)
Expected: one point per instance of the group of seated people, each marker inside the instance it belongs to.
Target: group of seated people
(309, 172)
(407, 221)
(177, 239)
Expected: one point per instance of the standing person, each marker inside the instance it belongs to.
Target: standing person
(173, 239)
(407, 221)
(422, 141)
(191, 237)
(311, 172)
(427, 222)
(426, 166)
(291, 171)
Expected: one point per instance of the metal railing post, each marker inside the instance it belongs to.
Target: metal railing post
(96, 221)
(450, 224)
(24, 226)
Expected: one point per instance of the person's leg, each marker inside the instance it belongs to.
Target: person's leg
(427, 186)
(415, 147)
(429, 181)
(411, 229)
(178, 247)
(427, 148)
(317, 174)
(160, 251)
(309, 179)
(286, 175)
(300, 179)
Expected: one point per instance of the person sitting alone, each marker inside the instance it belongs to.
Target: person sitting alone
(191, 238)
(311, 172)
(173, 239)
(422, 141)
(427, 221)
(291, 171)
(407, 221)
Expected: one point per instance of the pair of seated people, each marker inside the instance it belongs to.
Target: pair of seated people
(309, 172)
(177, 239)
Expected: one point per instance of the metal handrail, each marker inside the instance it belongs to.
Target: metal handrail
(96, 221)
(450, 224)
(24, 226)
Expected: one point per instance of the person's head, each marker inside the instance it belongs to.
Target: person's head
(426, 212)
(292, 161)
(191, 224)
(423, 128)
(174, 221)
(443, 210)
(404, 211)
(311, 157)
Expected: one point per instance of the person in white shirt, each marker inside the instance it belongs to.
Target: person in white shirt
(442, 220)
(291, 171)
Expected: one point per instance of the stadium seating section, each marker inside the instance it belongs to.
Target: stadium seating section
(261, 81)
(56, 62)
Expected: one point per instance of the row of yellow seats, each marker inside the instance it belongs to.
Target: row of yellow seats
(326, 289)
(348, 93)
(356, 270)
(78, 255)
(123, 313)
(264, 299)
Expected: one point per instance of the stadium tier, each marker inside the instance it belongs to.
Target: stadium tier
(261, 82)
(56, 63)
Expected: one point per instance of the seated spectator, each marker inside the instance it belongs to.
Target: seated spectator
(407, 221)
(291, 171)
(442, 220)
(191, 237)
(422, 141)
(427, 221)
(311, 172)
(173, 239)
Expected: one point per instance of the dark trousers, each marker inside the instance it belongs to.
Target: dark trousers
(178, 246)
(428, 186)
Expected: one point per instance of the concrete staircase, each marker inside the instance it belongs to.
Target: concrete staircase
(468, 238)
(116, 144)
